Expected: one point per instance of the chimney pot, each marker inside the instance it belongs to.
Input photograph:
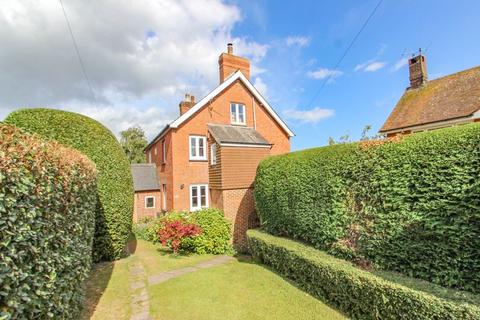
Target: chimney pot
(230, 48)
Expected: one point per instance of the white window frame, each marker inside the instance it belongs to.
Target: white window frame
(213, 154)
(164, 151)
(236, 113)
(197, 147)
(149, 156)
(199, 206)
(149, 197)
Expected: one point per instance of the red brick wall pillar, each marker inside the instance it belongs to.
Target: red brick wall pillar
(239, 208)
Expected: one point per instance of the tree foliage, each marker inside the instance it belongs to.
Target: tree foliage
(133, 142)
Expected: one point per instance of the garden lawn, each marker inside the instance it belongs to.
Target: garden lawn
(238, 289)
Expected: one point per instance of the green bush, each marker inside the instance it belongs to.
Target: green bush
(115, 186)
(410, 205)
(147, 229)
(357, 293)
(215, 237)
(47, 217)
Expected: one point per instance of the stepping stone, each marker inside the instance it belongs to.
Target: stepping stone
(140, 316)
(137, 285)
(159, 278)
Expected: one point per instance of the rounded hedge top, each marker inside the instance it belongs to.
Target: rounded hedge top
(114, 182)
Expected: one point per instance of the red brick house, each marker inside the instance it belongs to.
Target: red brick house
(148, 199)
(208, 156)
(443, 102)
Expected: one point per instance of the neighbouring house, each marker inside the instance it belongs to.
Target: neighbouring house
(148, 198)
(208, 156)
(439, 103)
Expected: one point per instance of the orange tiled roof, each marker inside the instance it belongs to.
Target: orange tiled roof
(454, 96)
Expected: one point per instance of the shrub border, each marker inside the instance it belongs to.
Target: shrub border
(357, 293)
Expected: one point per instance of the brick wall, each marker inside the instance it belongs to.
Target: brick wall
(139, 210)
(239, 208)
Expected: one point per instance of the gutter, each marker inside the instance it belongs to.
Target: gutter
(157, 137)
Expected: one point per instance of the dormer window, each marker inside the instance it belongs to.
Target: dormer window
(237, 113)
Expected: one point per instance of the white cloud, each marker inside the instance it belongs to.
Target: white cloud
(141, 56)
(261, 86)
(323, 73)
(370, 66)
(300, 41)
(118, 118)
(400, 64)
(256, 70)
(309, 116)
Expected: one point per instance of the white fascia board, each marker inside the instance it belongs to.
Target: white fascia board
(245, 145)
(204, 101)
(265, 104)
(223, 86)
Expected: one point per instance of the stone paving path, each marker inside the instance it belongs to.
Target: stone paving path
(167, 275)
(140, 302)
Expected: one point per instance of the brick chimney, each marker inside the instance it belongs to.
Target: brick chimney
(187, 103)
(229, 63)
(418, 71)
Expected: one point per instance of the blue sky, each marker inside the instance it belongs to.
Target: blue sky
(142, 58)
(448, 28)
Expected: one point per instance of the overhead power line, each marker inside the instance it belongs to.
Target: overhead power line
(80, 60)
(344, 54)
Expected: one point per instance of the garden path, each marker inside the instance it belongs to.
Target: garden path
(167, 275)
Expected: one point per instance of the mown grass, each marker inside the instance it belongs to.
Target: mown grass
(108, 291)
(237, 290)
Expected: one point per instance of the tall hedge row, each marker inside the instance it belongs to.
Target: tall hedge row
(410, 205)
(357, 293)
(114, 182)
(47, 217)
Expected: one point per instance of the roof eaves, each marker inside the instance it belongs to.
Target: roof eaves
(382, 130)
(158, 136)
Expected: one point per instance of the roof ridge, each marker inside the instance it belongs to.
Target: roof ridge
(453, 74)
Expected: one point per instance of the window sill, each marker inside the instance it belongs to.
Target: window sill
(198, 160)
(238, 124)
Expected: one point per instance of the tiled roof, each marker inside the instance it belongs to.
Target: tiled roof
(236, 134)
(454, 96)
(145, 177)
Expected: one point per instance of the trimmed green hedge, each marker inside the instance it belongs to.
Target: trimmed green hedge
(115, 185)
(410, 205)
(357, 293)
(47, 217)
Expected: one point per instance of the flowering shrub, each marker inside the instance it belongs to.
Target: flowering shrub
(173, 232)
